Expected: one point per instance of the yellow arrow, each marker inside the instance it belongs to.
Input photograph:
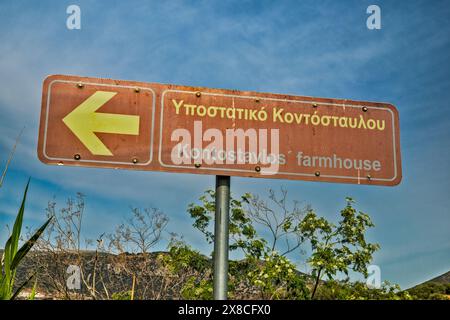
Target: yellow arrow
(83, 121)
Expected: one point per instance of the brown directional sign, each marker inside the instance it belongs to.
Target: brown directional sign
(158, 127)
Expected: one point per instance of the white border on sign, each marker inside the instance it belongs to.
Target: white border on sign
(280, 172)
(103, 85)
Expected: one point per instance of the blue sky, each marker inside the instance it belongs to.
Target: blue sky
(297, 47)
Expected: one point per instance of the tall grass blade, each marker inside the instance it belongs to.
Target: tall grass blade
(11, 154)
(33, 291)
(28, 245)
(19, 289)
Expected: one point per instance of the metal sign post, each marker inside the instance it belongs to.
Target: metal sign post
(221, 237)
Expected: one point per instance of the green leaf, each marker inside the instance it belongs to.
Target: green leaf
(18, 224)
(29, 244)
(21, 287)
(33, 291)
(8, 272)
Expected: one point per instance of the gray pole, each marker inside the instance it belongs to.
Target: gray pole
(221, 237)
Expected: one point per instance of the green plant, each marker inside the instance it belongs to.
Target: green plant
(242, 233)
(263, 273)
(123, 295)
(338, 248)
(12, 256)
(347, 290)
(431, 291)
(267, 274)
(32, 295)
(278, 278)
(188, 271)
(200, 290)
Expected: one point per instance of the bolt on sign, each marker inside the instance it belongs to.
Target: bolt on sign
(158, 127)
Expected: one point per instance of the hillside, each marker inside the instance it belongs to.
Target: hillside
(436, 288)
(443, 278)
